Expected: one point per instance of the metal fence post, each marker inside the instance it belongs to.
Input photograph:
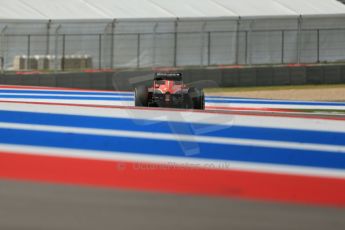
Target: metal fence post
(175, 43)
(154, 44)
(202, 35)
(283, 46)
(113, 24)
(299, 39)
(209, 48)
(318, 45)
(56, 47)
(63, 52)
(107, 34)
(238, 24)
(138, 51)
(28, 60)
(246, 47)
(249, 43)
(2, 50)
(48, 37)
(100, 51)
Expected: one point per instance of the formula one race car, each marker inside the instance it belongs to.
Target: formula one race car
(168, 90)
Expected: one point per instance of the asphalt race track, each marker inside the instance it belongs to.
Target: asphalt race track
(34, 206)
(77, 159)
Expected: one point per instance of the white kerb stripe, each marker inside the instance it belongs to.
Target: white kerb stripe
(305, 124)
(179, 137)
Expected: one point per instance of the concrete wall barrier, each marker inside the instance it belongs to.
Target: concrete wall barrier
(66, 80)
(13, 80)
(264, 76)
(332, 74)
(100, 81)
(47, 80)
(201, 78)
(230, 77)
(342, 74)
(29, 80)
(247, 77)
(281, 76)
(128, 80)
(298, 76)
(314, 75)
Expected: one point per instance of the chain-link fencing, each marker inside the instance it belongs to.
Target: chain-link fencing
(67, 46)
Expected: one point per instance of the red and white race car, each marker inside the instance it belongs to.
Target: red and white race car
(168, 90)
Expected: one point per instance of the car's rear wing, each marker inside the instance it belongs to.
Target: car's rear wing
(168, 76)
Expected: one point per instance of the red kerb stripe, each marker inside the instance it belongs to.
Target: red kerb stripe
(169, 179)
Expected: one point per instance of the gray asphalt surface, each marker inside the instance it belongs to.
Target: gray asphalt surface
(32, 206)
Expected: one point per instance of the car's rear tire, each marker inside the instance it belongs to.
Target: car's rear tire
(202, 100)
(196, 98)
(141, 96)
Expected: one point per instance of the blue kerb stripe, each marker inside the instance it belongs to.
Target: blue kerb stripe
(173, 148)
(274, 102)
(129, 97)
(69, 98)
(66, 92)
(214, 99)
(212, 130)
(263, 100)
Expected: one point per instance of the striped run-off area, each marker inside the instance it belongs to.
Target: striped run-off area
(96, 138)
